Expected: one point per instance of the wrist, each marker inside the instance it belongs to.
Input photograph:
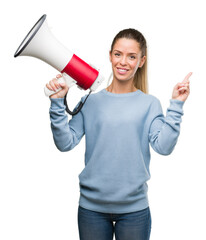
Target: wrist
(178, 99)
(57, 95)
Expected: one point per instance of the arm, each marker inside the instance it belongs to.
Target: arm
(164, 131)
(66, 134)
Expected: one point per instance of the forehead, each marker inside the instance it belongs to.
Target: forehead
(127, 45)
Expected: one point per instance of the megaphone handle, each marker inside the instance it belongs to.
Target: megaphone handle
(64, 79)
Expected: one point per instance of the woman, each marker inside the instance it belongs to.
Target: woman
(119, 123)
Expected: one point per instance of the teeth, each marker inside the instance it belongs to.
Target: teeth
(122, 70)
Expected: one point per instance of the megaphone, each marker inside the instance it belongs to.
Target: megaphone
(41, 43)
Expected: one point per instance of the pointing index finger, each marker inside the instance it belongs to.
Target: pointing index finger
(186, 79)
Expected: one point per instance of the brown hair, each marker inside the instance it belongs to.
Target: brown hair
(140, 78)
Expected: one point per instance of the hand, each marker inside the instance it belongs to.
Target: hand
(181, 90)
(53, 85)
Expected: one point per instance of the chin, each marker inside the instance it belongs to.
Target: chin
(124, 78)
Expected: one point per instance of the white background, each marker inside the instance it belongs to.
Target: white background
(39, 186)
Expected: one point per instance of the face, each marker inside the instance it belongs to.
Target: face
(125, 58)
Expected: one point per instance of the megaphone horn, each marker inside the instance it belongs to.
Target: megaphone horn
(40, 43)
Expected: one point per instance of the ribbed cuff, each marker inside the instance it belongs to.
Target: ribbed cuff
(57, 103)
(176, 105)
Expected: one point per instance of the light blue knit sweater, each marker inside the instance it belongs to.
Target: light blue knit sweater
(118, 129)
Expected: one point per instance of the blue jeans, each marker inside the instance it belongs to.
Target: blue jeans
(102, 226)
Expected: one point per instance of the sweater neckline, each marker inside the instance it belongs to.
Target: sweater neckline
(121, 94)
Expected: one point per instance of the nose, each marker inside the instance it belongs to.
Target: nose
(123, 61)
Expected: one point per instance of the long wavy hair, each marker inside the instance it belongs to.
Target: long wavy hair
(140, 78)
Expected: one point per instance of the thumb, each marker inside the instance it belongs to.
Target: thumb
(63, 85)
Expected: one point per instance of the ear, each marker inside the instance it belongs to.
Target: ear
(142, 61)
(110, 56)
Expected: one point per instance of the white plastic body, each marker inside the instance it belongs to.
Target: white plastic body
(47, 48)
(97, 82)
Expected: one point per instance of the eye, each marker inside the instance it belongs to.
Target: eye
(117, 54)
(133, 57)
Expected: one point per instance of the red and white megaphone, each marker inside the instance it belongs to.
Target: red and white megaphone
(40, 43)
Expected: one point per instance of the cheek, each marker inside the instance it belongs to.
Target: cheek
(113, 61)
(135, 66)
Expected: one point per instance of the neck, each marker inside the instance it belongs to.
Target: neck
(121, 87)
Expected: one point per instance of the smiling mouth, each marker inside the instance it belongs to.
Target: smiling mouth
(122, 70)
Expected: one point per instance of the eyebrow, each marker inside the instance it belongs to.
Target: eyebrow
(121, 52)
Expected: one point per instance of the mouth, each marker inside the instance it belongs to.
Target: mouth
(122, 70)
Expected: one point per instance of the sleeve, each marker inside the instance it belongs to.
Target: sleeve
(164, 131)
(66, 134)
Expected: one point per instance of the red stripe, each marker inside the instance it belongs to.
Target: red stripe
(80, 71)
